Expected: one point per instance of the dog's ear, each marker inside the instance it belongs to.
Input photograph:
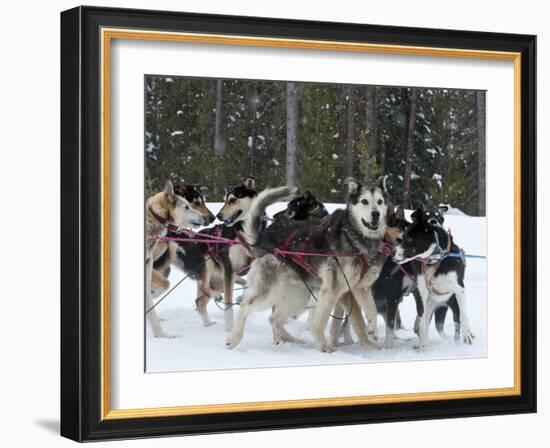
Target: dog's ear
(381, 183)
(309, 197)
(169, 191)
(443, 209)
(250, 183)
(418, 214)
(352, 184)
(202, 188)
(399, 213)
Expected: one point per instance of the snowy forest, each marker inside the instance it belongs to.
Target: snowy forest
(215, 132)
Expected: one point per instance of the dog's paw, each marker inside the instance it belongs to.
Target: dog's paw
(164, 334)
(209, 323)
(232, 341)
(325, 347)
(230, 344)
(468, 337)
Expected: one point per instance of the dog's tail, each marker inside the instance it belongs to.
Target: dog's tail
(253, 223)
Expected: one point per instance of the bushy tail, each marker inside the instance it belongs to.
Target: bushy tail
(253, 223)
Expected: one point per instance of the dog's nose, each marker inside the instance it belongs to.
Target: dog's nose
(375, 215)
(219, 216)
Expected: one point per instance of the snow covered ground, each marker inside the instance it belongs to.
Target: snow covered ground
(203, 348)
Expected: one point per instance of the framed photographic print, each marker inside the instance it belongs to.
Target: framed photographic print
(276, 224)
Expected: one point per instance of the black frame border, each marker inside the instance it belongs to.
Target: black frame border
(81, 224)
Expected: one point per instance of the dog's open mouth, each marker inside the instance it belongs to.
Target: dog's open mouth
(373, 225)
(231, 220)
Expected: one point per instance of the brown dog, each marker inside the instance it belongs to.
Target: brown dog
(164, 210)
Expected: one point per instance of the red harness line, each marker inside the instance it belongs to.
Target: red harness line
(298, 257)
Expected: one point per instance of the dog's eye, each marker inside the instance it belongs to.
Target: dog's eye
(186, 207)
(380, 201)
(232, 200)
(364, 202)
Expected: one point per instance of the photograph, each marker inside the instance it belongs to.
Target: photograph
(292, 223)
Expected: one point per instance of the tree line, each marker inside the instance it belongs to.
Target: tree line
(217, 131)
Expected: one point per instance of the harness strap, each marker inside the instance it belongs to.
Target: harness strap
(214, 249)
(243, 241)
(364, 265)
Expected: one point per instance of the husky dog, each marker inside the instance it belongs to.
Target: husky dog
(165, 252)
(164, 210)
(438, 280)
(436, 217)
(389, 287)
(286, 283)
(241, 215)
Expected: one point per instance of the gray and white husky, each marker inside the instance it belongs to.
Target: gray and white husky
(354, 235)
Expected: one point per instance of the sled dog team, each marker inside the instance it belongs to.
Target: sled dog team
(353, 264)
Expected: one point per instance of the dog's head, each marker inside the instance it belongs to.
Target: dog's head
(195, 195)
(368, 207)
(176, 208)
(237, 202)
(435, 217)
(420, 239)
(397, 226)
(302, 208)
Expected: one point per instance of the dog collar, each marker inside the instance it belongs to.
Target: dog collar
(163, 221)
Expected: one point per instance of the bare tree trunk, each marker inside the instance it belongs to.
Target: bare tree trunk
(219, 140)
(350, 142)
(372, 137)
(480, 105)
(409, 152)
(291, 131)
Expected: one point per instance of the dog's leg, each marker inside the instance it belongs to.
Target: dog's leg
(204, 294)
(353, 309)
(391, 312)
(278, 319)
(249, 306)
(467, 335)
(348, 338)
(337, 324)
(228, 283)
(453, 305)
(439, 315)
(366, 300)
(151, 312)
(422, 313)
(159, 283)
(328, 298)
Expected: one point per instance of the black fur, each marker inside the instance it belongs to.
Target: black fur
(301, 208)
(302, 215)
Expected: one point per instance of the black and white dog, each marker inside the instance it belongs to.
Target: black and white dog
(441, 276)
(437, 218)
(396, 281)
